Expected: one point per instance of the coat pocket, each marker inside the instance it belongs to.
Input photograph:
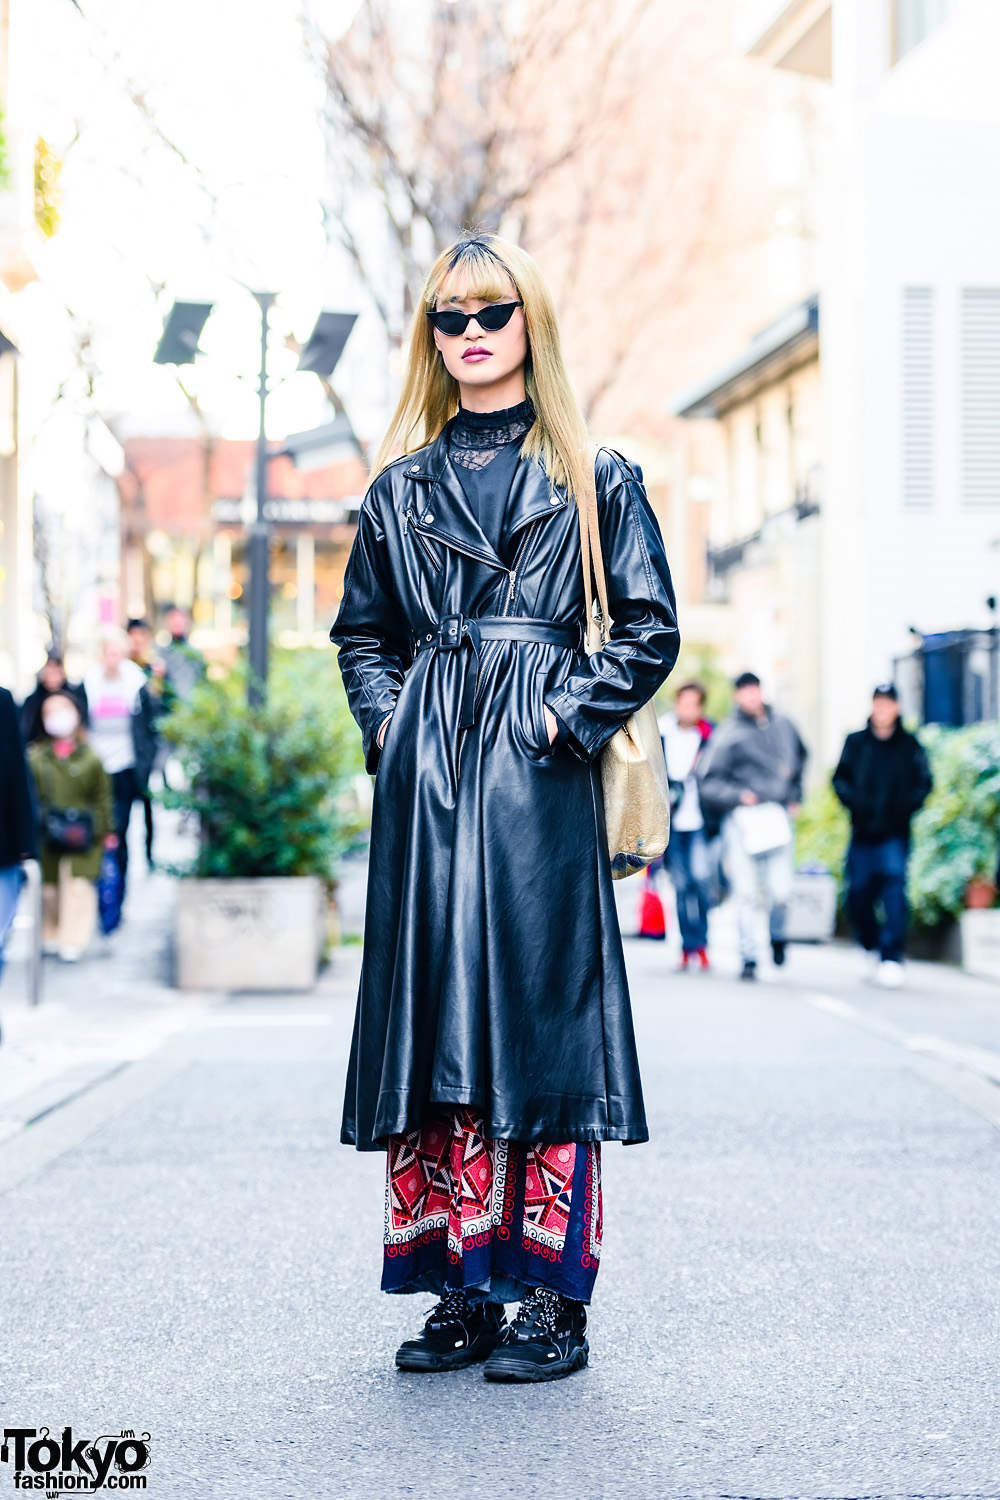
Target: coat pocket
(426, 546)
(541, 746)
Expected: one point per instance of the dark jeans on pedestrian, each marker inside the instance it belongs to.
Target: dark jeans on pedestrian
(689, 870)
(123, 793)
(11, 879)
(876, 875)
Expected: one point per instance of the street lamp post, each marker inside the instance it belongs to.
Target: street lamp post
(178, 346)
(260, 531)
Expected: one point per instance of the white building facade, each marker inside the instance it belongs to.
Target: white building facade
(908, 478)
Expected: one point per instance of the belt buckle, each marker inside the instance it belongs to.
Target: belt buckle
(451, 629)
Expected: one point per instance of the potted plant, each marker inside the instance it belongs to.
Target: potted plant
(264, 784)
(955, 842)
(980, 894)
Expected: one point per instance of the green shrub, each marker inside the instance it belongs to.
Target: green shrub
(265, 782)
(823, 832)
(955, 836)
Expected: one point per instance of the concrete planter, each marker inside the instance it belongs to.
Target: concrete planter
(249, 934)
(981, 943)
(812, 911)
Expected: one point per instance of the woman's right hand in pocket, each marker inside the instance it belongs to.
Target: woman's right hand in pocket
(551, 724)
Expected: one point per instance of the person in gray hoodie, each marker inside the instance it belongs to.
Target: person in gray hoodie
(751, 778)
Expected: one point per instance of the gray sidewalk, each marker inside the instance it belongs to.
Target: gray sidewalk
(114, 1006)
(798, 1297)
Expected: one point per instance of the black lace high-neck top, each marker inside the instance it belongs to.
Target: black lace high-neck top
(485, 448)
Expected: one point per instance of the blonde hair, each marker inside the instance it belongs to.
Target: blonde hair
(483, 266)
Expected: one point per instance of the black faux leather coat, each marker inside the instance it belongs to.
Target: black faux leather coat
(493, 968)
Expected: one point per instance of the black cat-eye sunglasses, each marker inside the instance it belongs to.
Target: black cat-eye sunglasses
(491, 318)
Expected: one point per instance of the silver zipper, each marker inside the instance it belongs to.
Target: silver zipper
(512, 570)
(422, 541)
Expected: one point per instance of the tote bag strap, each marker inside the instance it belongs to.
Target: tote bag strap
(590, 547)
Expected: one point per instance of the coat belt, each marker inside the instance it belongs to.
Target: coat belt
(461, 633)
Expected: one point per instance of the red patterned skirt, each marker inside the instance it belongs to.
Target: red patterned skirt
(494, 1217)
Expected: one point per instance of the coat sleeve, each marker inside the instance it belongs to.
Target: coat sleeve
(371, 632)
(101, 807)
(145, 737)
(25, 836)
(843, 776)
(606, 688)
(715, 772)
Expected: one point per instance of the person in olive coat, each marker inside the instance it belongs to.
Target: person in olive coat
(18, 835)
(69, 775)
(493, 1045)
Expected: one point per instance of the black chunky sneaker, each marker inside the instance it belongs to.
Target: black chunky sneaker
(457, 1333)
(749, 970)
(778, 951)
(547, 1340)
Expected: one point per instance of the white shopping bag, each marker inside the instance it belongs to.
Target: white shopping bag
(763, 827)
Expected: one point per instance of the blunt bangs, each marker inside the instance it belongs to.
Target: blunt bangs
(475, 271)
(490, 269)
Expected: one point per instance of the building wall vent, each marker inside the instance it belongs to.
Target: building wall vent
(979, 375)
(918, 395)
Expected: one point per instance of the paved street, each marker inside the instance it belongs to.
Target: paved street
(799, 1295)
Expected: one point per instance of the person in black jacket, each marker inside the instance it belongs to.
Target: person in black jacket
(51, 679)
(18, 834)
(493, 1033)
(882, 779)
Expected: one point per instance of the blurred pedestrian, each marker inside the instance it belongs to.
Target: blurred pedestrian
(153, 668)
(122, 731)
(494, 1048)
(18, 834)
(685, 733)
(74, 796)
(51, 679)
(883, 778)
(184, 663)
(751, 777)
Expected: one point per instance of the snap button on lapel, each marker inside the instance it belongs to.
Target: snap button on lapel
(414, 468)
(554, 500)
(428, 519)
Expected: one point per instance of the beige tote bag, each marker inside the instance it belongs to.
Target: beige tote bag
(633, 771)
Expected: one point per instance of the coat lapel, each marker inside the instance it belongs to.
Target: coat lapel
(533, 497)
(442, 511)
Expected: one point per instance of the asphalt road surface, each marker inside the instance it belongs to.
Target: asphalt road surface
(799, 1295)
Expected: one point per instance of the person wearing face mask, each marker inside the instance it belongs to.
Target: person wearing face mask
(18, 835)
(51, 679)
(74, 798)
